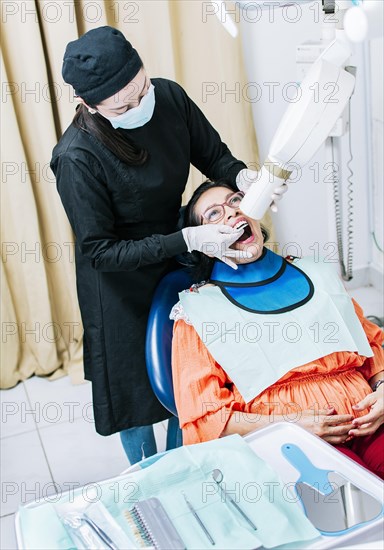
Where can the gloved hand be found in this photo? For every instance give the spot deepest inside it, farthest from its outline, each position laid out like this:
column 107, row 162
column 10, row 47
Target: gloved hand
column 214, row 241
column 245, row 178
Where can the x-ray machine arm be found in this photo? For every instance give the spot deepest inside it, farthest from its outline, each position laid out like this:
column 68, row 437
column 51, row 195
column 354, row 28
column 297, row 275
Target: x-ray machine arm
column 308, row 122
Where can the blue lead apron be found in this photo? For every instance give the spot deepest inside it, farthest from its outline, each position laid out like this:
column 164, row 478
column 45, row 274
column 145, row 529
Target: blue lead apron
column 270, row 316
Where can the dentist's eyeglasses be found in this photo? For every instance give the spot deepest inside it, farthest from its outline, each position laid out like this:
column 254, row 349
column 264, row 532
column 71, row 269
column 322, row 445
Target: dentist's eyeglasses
column 216, row 212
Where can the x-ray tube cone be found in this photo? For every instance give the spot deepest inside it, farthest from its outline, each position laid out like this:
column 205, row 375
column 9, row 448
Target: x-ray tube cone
column 257, row 200
column 365, row 22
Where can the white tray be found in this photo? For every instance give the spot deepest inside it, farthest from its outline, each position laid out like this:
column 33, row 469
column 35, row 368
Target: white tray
column 267, row 443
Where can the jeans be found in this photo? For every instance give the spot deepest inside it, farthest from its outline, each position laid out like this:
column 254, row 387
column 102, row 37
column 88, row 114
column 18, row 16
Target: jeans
column 139, row 442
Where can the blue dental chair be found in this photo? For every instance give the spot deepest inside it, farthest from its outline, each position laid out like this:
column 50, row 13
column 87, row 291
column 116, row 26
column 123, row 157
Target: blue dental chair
column 158, row 345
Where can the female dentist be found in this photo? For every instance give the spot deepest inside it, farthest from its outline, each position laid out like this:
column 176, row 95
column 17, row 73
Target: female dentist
column 121, row 168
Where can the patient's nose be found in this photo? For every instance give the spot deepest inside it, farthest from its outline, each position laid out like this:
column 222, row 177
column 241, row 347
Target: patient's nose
column 231, row 213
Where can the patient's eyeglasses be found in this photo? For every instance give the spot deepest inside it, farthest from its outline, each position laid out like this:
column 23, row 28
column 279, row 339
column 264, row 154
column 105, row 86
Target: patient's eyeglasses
column 216, row 212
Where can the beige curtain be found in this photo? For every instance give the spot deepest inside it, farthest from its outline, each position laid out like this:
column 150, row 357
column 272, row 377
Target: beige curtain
column 177, row 39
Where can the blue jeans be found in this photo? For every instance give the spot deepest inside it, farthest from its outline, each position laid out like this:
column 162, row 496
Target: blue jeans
column 139, row 442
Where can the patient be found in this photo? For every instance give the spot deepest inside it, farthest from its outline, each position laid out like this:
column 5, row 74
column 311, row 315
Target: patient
column 275, row 340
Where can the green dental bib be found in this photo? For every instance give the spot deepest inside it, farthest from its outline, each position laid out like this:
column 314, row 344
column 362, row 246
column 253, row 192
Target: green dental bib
column 257, row 346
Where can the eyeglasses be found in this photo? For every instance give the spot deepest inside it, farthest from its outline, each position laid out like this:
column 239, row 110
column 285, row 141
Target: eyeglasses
column 216, row 212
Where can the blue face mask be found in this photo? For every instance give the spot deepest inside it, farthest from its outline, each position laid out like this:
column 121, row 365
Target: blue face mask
column 137, row 116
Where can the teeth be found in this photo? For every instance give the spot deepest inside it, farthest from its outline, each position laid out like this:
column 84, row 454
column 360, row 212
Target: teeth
column 241, row 225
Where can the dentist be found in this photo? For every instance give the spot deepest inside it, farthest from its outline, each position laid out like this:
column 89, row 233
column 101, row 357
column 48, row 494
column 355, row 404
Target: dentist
column 121, row 168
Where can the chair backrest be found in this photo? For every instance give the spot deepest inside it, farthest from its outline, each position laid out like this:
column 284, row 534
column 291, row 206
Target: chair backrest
column 158, row 345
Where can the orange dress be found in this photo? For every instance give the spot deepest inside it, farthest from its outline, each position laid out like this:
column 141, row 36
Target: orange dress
column 205, row 395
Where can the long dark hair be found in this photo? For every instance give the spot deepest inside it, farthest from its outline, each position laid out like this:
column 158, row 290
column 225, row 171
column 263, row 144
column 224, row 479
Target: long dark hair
column 115, row 140
column 201, row 265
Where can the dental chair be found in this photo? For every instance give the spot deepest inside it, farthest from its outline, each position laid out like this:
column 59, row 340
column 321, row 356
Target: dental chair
column 158, row 345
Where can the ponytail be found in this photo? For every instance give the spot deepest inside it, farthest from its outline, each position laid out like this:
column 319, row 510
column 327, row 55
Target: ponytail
column 114, row 140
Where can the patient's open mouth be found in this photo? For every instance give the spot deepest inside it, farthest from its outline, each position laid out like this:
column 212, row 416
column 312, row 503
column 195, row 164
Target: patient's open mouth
column 247, row 235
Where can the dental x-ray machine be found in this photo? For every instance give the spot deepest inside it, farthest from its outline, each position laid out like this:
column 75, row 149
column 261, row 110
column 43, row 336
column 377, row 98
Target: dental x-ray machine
column 309, row 121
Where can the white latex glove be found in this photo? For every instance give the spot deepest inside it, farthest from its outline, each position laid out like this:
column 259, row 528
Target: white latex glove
column 245, row 178
column 214, row 241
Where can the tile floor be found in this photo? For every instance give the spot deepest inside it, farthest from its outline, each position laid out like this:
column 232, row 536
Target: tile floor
column 49, row 444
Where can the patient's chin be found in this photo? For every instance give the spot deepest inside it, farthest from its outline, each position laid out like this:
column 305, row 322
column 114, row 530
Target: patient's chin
column 255, row 250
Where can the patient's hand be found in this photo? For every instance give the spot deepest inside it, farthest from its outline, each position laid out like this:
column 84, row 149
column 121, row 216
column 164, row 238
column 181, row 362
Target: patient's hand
column 333, row 428
column 370, row 422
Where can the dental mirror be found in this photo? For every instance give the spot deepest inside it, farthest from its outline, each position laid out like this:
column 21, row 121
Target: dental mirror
column 331, row 501
column 218, row 477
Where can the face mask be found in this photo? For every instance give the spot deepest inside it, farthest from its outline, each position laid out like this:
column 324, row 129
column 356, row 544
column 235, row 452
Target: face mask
column 137, row 116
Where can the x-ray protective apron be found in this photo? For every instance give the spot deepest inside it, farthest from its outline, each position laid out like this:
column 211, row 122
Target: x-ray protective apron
column 270, row 316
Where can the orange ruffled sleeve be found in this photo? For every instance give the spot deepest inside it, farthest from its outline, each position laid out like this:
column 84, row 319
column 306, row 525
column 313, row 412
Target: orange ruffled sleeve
column 203, row 393
column 375, row 364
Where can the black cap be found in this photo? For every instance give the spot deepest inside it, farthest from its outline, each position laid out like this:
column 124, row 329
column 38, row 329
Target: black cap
column 99, row 64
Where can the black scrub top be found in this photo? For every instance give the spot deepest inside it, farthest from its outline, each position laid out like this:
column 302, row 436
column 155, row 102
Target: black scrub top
column 124, row 219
